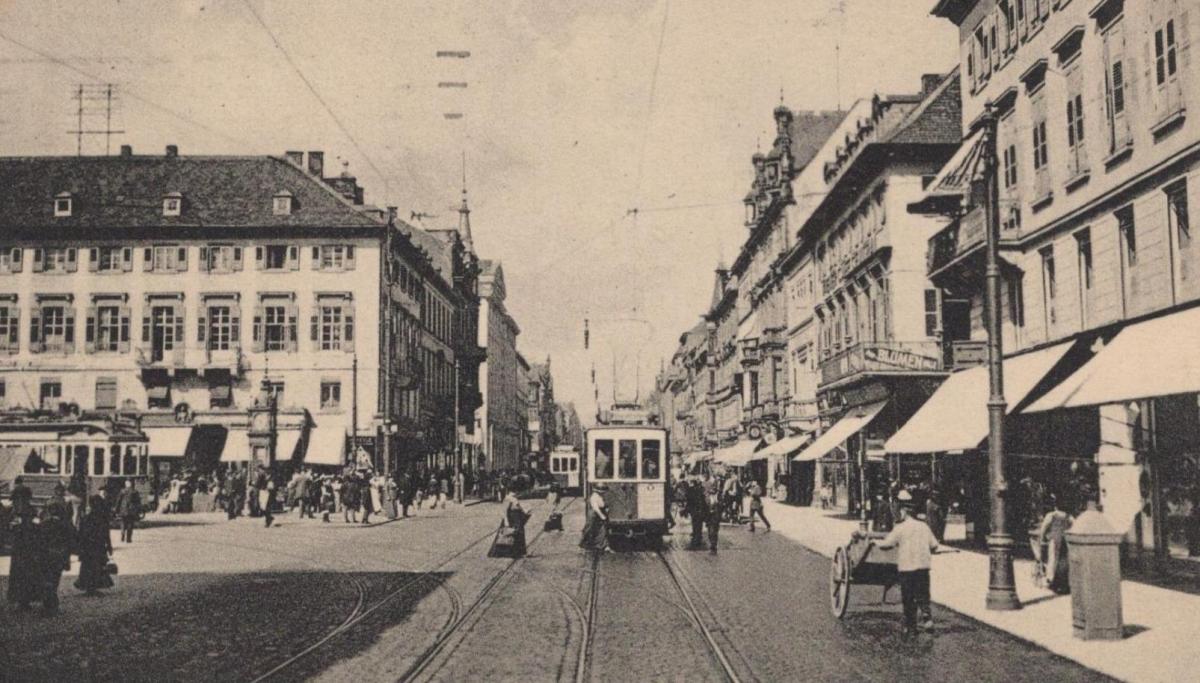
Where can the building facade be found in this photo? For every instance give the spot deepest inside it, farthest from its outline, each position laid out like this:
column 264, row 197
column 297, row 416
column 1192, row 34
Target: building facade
column 500, row 421
column 255, row 278
column 1099, row 171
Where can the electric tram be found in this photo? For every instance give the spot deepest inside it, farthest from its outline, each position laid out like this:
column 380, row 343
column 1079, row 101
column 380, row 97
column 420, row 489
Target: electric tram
column 630, row 460
column 565, row 466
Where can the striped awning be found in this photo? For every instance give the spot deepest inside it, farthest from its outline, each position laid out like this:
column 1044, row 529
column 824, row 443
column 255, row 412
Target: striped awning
column 953, row 182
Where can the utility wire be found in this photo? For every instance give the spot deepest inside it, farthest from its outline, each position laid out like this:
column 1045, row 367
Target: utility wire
column 316, row 94
column 133, row 95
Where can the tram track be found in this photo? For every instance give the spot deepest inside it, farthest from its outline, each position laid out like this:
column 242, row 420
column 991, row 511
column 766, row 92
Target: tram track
column 442, row 643
column 716, row 652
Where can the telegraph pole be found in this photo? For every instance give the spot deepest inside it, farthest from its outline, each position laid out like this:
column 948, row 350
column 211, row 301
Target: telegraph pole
column 1002, row 590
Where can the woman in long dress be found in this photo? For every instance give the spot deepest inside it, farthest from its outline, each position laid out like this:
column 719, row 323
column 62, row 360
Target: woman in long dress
column 515, row 518
column 95, row 546
column 1053, row 537
column 595, row 531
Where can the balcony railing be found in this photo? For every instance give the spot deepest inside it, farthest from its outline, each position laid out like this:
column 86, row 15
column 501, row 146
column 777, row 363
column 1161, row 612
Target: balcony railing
column 967, row 233
column 883, row 357
column 191, row 357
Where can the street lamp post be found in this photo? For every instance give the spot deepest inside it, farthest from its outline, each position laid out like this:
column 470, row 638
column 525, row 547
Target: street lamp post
column 1002, row 590
column 458, row 473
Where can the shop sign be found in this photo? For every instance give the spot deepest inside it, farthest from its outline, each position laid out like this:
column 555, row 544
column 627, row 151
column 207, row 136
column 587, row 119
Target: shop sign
column 899, row 358
column 875, row 449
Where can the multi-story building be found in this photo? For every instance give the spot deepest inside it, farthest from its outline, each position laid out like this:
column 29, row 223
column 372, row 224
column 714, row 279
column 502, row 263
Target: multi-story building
column 184, row 289
column 524, row 382
column 762, row 298
column 879, row 324
column 501, row 418
column 1098, row 163
column 542, row 412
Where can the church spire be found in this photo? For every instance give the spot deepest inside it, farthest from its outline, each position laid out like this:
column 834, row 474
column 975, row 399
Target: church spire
column 464, row 212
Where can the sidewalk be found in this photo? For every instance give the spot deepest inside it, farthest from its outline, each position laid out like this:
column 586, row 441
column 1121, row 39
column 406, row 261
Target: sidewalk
column 1160, row 624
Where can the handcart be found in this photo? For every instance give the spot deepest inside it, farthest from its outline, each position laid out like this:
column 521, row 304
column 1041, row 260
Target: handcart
column 861, row 562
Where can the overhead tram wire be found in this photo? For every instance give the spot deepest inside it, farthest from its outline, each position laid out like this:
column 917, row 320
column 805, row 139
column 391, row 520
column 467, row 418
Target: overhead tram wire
column 316, row 94
column 128, row 93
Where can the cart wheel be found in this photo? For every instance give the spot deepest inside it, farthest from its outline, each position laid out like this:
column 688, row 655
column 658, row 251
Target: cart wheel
column 839, row 583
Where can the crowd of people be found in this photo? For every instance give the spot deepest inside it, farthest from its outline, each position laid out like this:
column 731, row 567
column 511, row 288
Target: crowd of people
column 44, row 540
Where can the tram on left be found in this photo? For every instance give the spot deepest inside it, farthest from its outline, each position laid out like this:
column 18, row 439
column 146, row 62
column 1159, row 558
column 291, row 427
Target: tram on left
column 92, row 452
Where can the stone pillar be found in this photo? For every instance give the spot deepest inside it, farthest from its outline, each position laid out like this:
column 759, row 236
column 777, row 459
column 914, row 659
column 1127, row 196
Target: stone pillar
column 1120, row 495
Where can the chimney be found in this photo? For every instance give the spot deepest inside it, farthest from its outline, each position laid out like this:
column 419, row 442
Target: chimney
column 296, row 158
column 316, row 163
column 172, row 151
column 930, row 82
column 126, row 150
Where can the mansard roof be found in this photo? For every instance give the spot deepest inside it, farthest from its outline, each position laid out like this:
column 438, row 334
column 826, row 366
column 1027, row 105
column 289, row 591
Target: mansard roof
column 112, row 192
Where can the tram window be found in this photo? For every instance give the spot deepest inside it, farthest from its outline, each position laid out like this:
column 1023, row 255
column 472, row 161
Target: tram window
column 145, row 462
column 97, row 461
column 129, row 464
column 574, row 464
column 651, row 459
column 64, row 459
column 628, row 453
column 114, row 460
column 604, row 459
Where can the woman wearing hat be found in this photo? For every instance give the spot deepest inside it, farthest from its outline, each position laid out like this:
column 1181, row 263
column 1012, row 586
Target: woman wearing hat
column 95, row 546
column 595, row 531
column 24, row 575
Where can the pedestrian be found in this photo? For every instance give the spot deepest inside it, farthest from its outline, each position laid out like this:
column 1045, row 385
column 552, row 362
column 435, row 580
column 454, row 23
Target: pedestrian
column 515, row 518
column 24, row 573
column 129, row 510
column 933, row 514
column 404, row 491
column 58, row 537
column 266, row 497
column 393, row 497
column 298, row 488
column 444, row 489
column 350, row 498
column 174, row 494
column 756, row 505
column 595, row 530
column 712, row 495
column 94, row 549
column 432, row 489
column 328, row 499
column 697, row 511
column 553, row 495
column 914, row 544
column 1052, row 540
column 366, row 495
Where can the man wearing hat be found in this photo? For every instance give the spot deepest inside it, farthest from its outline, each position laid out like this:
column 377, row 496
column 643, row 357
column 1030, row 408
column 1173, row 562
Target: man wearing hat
column 914, row 544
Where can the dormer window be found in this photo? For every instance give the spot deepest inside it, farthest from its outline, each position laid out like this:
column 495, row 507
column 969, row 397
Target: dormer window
column 62, row 204
column 172, row 204
column 282, row 205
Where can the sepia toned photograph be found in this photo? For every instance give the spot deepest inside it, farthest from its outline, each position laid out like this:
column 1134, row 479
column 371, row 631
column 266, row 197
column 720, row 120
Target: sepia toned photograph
column 599, row 340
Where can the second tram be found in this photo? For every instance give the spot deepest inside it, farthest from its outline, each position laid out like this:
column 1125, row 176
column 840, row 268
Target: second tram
column 565, row 466
column 630, row 461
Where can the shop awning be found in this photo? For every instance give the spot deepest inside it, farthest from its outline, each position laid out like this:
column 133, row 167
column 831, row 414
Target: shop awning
column 326, row 446
column 285, row 443
column 1158, row 357
column 237, row 446
column 168, row 442
column 160, row 392
column 955, row 418
column 738, row 454
column 953, row 182
column 785, row 446
column 843, row 429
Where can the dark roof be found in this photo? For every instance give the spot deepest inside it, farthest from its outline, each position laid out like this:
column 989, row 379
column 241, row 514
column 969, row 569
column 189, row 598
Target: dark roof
column 435, row 248
column 937, row 120
column 809, row 130
column 128, row 192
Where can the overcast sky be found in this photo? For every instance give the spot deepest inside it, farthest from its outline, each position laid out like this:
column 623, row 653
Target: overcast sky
column 566, row 124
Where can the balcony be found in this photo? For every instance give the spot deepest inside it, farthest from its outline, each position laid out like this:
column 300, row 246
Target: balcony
column 192, row 358
column 968, row 233
column 801, row 409
column 883, row 358
column 751, row 353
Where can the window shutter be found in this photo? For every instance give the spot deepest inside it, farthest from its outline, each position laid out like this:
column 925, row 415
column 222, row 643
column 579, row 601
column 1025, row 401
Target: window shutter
column 39, row 260
column 315, row 328
column 69, row 332
column 179, row 326
column 16, row 264
column 123, row 344
column 349, row 257
column 201, row 320
column 237, row 259
column 148, row 259
column 14, row 329
column 293, row 314
column 235, row 324
column 203, row 265
column 316, row 257
column 348, row 332
column 293, row 255
column 93, row 259
column 146, row 324
column 89, row 338
column 181, row 265
column 127, row 259
column 72, row 262
column 258, row 324
column 35, row 329
column 258, row 258
column 1183, row 42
